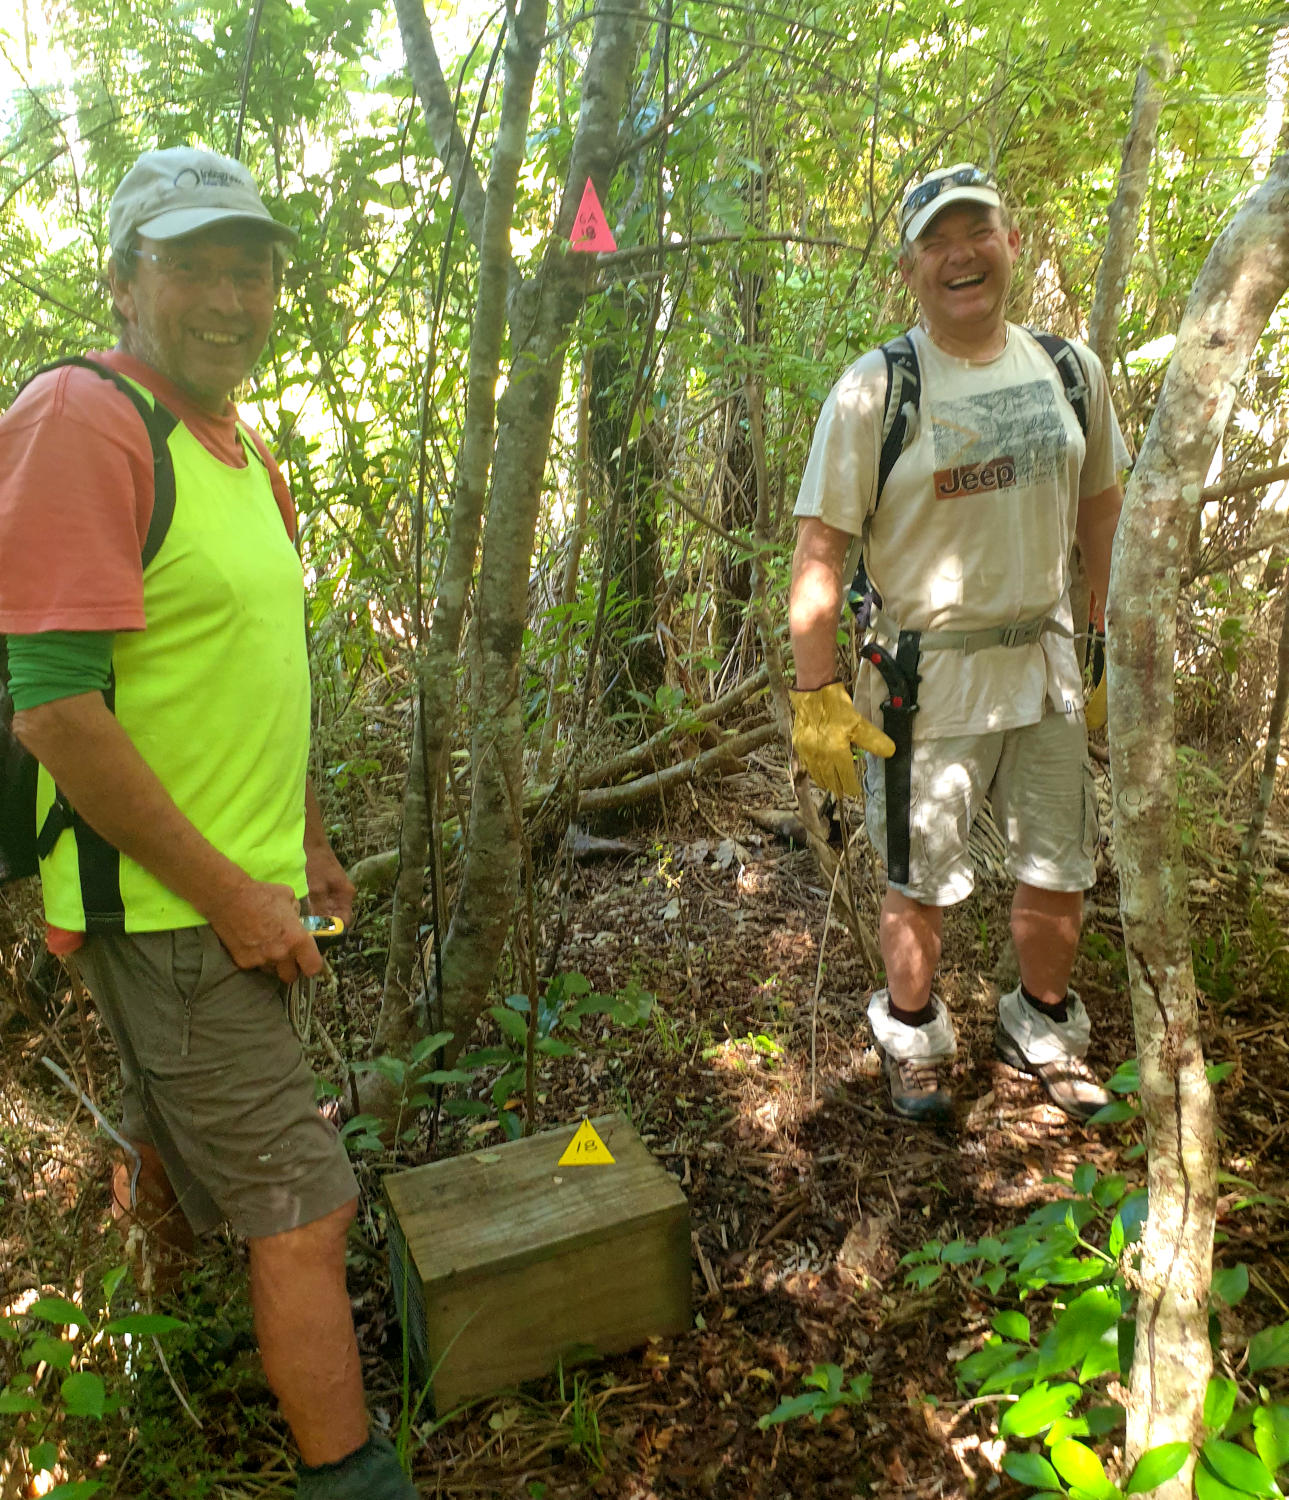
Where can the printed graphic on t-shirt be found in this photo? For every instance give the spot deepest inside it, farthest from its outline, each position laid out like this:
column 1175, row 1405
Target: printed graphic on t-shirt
column 997, row 440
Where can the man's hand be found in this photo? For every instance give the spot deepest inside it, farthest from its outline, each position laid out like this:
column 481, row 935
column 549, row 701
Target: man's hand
column 331, row 892
column 260, row 926
column 824, row 731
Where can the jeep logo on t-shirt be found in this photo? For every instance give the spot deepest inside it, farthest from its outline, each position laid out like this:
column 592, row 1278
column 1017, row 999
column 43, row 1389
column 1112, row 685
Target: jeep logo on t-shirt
column 975, row 479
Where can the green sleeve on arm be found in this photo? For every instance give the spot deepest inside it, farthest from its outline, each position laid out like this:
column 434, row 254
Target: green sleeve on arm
column 58, row 664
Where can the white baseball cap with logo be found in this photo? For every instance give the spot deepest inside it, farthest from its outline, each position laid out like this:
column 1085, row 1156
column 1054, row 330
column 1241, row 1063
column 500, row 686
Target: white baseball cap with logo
column 170, row 193
column 964, row 182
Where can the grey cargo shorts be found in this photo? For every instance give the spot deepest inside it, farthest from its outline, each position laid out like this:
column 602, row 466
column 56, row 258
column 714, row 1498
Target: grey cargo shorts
column 215, row 1079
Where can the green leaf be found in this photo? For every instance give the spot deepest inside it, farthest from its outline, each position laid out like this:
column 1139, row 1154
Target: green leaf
column 1238, row 1467
column 1269, row 1348
column 1103, row 1420
column 83, row 1394
column 1017, row 1373
column 1209, row 1487
column 428, row 1046
column 1066, row 1427
column 1012, row 1325
column 42, row 1456
column 59, row 1310
column 1271, row 1434
column 993, row 1356
column 1109, row 1190
column 113, row 1279
column 1085, row 1176
column 76, row 1489
column 1102, row 1358
column 1076, row 1463
column 13, row 1403
column 1218, row 1072
column 1038, row 1408
column 824, row 1378
column 921, row 1277
column 1219, row 1402
column 1032, row 1469
column 1114, row 1113
column 49, row 1351
column 146, row 1324
column 794, row 1406
column 1156, row 1465
column 1126, row 1078
column 512, row 1023
column 1230, row 1284
column 1078, row 1329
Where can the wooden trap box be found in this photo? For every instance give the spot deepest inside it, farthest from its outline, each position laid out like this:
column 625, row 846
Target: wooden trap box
column 505, row 1263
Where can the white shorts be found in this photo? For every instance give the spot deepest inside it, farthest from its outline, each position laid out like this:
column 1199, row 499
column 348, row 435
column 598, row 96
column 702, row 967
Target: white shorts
column 1039, row 784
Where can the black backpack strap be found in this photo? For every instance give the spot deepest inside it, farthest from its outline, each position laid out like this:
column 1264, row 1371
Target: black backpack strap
column 903, row 400
column 899, row 427
column 159, row 423
column 1073, row 381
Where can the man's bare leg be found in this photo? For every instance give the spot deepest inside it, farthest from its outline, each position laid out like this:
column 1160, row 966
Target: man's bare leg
column 305, row 1328
column 153, row 1226
column 1045, row 928
column 910, row 940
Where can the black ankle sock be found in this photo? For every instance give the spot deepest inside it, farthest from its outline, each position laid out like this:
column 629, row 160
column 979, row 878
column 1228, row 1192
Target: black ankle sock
column 922, row 1017
column 1058, row 1012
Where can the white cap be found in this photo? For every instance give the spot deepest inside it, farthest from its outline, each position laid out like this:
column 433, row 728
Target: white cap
column 174, row 192
column 964, row 182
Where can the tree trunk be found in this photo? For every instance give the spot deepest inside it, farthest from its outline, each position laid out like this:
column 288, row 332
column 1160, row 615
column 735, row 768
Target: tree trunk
column 1267, row 784
column 1125, row 212
column 546, row 310
column 572, row 569
column 437, row 671
column 1243, row 279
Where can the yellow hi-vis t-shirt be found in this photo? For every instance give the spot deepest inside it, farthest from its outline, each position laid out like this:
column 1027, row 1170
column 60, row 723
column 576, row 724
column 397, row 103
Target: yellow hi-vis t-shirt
column 213, row 692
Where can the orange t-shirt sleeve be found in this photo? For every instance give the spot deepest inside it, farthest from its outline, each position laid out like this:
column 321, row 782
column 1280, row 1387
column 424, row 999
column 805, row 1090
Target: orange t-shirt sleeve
column 75, row 502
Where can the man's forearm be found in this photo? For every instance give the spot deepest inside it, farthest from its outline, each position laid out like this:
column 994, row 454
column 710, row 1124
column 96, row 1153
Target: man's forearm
column 101, row 773
column 814, row 605
column 1098, row 519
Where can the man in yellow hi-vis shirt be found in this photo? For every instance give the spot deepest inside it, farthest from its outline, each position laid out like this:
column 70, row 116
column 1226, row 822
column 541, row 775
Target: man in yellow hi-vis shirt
column 154, row 607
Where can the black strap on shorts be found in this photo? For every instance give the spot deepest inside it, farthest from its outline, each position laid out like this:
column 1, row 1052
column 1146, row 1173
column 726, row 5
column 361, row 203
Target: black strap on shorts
column 900, row 674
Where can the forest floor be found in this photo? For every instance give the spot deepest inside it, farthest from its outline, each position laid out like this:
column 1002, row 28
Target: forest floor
column 804, row 1192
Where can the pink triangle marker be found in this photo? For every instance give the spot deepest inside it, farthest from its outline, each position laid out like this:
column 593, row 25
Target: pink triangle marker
column 590, row 228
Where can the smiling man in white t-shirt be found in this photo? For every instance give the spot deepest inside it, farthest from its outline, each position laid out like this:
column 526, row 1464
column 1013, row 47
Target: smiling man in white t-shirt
column 1010, row 454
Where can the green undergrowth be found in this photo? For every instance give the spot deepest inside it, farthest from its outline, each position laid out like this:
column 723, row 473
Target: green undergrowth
column 506, row 1071
column 1057, row 1351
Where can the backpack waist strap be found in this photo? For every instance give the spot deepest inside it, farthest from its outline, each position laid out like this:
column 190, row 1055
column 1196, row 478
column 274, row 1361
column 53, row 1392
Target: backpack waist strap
column 1023, row 633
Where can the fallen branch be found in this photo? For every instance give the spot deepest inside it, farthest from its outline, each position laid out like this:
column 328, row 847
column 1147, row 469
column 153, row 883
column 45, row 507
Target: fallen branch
column 642, row 755
column 377, row 872
column 631, row 793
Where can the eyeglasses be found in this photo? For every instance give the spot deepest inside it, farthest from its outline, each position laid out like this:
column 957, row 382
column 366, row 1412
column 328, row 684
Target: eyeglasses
column 928, row 192
column 192, row 273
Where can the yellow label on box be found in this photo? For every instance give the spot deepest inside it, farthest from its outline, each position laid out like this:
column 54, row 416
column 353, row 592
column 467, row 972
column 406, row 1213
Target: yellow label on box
column 586, row 1149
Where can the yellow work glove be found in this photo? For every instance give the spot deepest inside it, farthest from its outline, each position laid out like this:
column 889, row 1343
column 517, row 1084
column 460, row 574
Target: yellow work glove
column 1094, row 707
column 1094, row 710
column 825, row 730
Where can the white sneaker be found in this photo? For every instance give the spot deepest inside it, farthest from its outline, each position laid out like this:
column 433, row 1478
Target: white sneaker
column 912, row 1057
column 1051, row 1051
